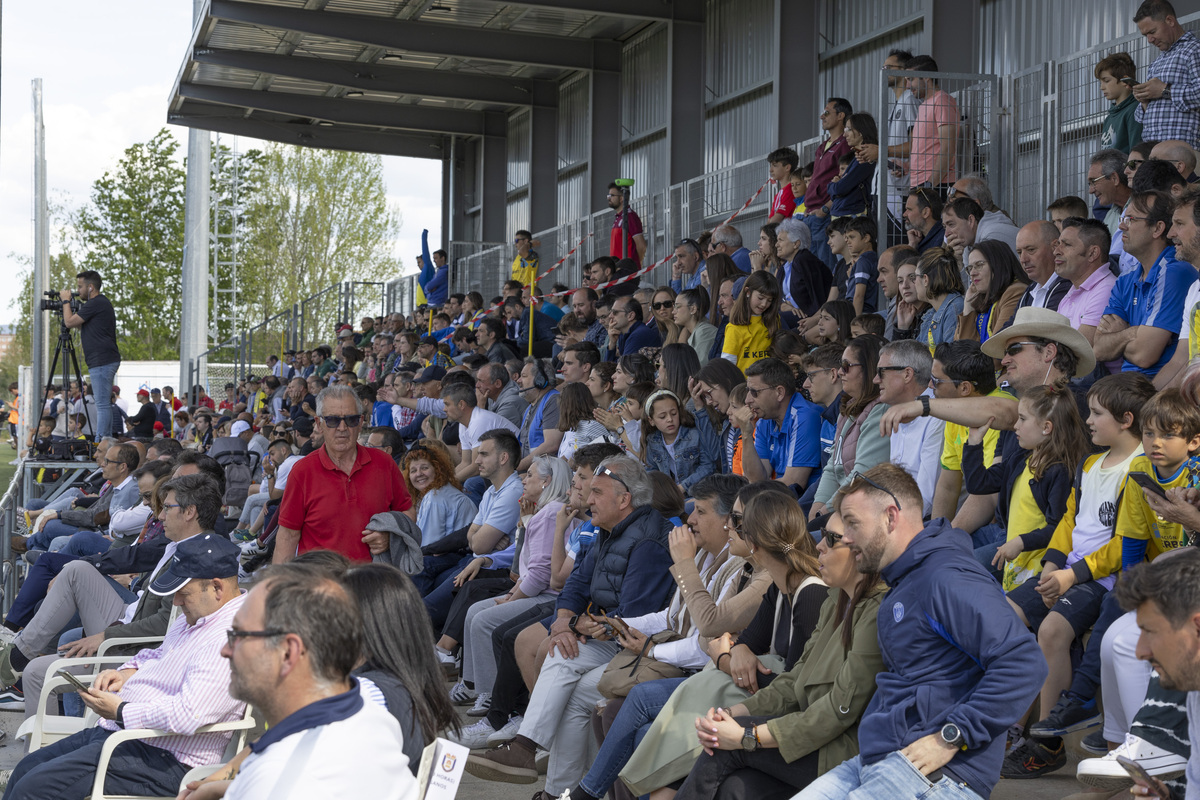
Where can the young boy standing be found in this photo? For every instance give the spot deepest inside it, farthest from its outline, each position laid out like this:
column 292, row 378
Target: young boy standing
column 862, row 282
column 1081, row 562
column 1120, row 130
column 782, row 164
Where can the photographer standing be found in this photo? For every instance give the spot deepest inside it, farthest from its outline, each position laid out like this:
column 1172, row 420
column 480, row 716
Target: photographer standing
column 97, row 323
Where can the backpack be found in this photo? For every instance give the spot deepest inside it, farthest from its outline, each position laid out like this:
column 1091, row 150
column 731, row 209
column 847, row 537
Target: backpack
column 239, row 464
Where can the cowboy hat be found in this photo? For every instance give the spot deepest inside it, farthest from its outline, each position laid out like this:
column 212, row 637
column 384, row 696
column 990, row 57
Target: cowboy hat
column 1044, row 324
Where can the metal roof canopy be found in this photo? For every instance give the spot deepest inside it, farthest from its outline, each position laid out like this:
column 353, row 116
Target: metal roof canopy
column 395, row 77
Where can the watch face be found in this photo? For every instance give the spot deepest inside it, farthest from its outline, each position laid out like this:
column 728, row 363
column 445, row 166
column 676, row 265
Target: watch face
column 951, row 733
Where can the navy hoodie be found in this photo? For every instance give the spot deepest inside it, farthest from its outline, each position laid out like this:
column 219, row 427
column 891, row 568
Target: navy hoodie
column 953, row 651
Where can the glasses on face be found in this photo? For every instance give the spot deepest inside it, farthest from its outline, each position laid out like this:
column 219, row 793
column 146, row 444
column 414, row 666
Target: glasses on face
column 1093, row 181
column 880, row 370
column 110, row 461
column 812, row 376
column 165, row 506
column 832, row 539
column 951, row 193
column 663, row 305
column 1126, row 218
column 145, row 496
column 1016, row 347
column 858, row 476
column 333, row 421
column 846, row 366
column 1133, row 164
column 735, row 522
column 231, row 636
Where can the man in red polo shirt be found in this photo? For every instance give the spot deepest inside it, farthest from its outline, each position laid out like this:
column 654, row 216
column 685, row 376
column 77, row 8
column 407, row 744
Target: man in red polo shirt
column 333, row 492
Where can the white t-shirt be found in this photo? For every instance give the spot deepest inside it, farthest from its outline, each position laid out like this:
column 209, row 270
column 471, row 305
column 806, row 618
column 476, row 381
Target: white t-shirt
column 916, row 447
column 482, row 421
column 1191, row 314
column 329, row 762
column 1096, row 515
column 283, row 470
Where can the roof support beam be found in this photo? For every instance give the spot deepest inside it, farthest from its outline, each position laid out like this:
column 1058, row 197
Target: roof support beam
column 651, row 10
column 387, row 78
column 354, row 112
column 560, row 52
column 337, row 137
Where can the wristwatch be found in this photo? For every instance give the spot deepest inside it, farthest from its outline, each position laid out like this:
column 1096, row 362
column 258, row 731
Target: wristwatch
column 924, row 406
column 952, row 736
column 1166, row 92
column 571, row 624
column 750, row 739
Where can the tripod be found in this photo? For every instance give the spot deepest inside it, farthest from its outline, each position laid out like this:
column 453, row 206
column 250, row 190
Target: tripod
column 65, row 349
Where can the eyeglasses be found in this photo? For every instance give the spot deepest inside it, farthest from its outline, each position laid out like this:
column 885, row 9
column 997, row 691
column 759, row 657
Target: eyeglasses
column 332, row 421
column 110, row 461
column 231, row 636
column 1133, row 164
column 165, row 506
column 608, row 472
column 951, row 193
column 1016, row 347
column 1126, row 218
column 939, row 381
column 880, row 370
column 735, row 520
column 1093, row 181
column 808, row 376
column 662, row 305
column 145, row 495
column 832, row 539
column 858, row 476
column 846, row 366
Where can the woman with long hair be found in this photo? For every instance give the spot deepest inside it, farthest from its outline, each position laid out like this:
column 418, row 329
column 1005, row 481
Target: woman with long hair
column 851, row 194
column 576, row 419
column 940, row 285
column 632, row 368
column 766, row 256
column 814, row 708
column 768, row 529
column 997, row 283
column 691, row 307
column 857, row 445
column 676, row 364
column 662, row 304
column 754, row 322
column 600, row 384
column 396, row 655
column 718, row 269
column 831, row 325
column 710, row 390
column 442, row 508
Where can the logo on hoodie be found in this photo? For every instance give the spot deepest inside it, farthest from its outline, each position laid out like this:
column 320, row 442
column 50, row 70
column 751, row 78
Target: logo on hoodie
column 898, row 611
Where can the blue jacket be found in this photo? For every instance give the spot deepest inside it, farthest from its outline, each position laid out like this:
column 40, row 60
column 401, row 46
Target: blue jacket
column 433, row 280
column 697, row 455
column 953, row 651
column 1050, row 491
column 851, row 193
column 639, row 336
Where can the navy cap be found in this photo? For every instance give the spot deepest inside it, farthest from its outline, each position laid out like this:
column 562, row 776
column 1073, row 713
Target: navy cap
column 434, row 373
column 205, row 556
column 303, row 426
column 430, row 339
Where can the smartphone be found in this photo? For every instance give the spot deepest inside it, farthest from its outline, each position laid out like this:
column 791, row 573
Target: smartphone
column 1137, row 771
column 1130, row 82
column 893, row 166
column 1146, row 482
column 71, row 679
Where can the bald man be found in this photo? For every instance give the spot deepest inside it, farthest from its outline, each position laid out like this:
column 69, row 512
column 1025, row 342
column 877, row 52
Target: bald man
column 1035, row 251
column 1179, row 153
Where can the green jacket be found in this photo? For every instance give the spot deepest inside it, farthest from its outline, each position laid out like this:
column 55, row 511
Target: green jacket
column 817, row 704
column 1120, row 130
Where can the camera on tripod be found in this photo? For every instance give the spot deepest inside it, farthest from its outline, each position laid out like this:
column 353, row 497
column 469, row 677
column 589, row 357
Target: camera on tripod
column 54, row 302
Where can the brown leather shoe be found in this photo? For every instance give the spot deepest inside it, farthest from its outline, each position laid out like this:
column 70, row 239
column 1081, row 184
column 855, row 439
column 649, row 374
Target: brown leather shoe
column 18, row 543
column 509, row 763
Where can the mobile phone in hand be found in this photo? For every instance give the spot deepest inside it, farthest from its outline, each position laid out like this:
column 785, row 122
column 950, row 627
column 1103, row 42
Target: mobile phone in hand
column 71, row 679
column 1130, row 82
column 1139, row 773
column 1146, row 482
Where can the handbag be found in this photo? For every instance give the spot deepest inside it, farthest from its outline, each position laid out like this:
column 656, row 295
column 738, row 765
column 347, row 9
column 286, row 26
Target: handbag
column 628, row 669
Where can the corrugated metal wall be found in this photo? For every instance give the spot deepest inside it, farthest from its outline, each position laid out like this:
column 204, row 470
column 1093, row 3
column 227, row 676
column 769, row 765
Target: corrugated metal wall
column 1017, row 34
column 518, row 153
column 645, row 106
column 574, row 139
column 739, row 118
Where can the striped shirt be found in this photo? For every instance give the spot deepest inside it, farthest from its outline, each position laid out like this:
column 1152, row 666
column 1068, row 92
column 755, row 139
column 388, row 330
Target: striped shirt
column 183, row 685
column 1177, row 116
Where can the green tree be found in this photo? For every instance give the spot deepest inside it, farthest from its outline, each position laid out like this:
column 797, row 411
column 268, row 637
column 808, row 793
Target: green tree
column 314, row 218
column 131, row 232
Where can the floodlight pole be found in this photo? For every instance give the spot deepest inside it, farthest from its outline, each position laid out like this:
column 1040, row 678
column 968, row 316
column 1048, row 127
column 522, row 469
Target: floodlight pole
column 41, row 257
column 193, row 325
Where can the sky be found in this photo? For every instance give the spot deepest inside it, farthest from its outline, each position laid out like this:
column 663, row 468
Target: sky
column 107, row 69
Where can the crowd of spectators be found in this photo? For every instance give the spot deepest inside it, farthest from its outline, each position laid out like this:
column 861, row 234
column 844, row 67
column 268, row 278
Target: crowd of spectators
column 898, row 508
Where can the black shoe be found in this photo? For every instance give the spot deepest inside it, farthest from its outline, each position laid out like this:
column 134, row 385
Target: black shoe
column 1095, row 743
column 1032, row 759
column 1069, row 714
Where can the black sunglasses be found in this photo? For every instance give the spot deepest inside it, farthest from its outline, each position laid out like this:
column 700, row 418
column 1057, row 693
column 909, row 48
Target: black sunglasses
column 858, row 476
column 735, row 520
column 831, row 539
column 662, row 305
column 332, row 421
column 232, row 636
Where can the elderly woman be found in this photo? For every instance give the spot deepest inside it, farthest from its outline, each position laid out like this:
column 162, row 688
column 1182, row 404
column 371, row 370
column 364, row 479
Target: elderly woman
column 804, row 278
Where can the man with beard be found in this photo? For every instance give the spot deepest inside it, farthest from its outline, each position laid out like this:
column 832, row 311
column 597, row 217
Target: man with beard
column 1185, row 235
column 958, row 669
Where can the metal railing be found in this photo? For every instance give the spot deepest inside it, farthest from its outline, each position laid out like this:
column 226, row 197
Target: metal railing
column 8, row 512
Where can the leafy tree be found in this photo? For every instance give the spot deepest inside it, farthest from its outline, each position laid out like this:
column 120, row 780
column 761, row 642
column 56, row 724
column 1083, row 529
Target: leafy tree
column 132, row 234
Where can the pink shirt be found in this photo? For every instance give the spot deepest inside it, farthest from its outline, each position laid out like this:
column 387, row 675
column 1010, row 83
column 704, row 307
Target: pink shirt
column 183, row 685
column 939, row 109
column 1085, row 304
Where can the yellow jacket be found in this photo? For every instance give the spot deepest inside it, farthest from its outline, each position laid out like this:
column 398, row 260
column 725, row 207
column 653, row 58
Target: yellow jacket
column 1101, row 563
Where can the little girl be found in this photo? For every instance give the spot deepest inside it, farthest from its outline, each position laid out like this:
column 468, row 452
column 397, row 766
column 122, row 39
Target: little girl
column 1033, row 479
column 673, row 444
column 754, row 321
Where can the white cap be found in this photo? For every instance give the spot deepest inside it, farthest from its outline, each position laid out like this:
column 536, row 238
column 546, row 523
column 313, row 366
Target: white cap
column 239, row 427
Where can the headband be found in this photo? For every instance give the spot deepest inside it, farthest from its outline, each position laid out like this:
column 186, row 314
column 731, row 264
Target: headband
column 658, row 395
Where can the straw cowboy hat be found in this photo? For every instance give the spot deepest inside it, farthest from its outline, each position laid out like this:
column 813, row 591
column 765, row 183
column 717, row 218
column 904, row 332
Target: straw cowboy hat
column 1044, row 324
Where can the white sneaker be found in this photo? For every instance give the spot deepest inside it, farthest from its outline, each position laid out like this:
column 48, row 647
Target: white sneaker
column 1106, row 773
column 448, row 663
column 507, row 733
column 474, row 737
column 483, row 704
column 460, row 695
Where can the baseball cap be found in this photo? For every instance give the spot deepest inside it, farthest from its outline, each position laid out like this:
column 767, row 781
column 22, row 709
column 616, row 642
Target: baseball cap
column 143, row 393
column 303, row 426
column 230, row 386
column 156, row 390
column 434, row 373
column 252, row 378
column 239, row 427
column 345, row 333
column 204, row 556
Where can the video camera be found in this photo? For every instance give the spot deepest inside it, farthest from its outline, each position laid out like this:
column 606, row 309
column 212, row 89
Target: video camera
column 54, row 302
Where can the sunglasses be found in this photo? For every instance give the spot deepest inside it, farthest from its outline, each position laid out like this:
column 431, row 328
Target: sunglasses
column 735, row 521
column 1016, row 347
column 232, row 636
column 939, row 381
column 846, row 366
column 662, row 305
column 831, row 539
column 615, row 477
column 880, row 370
column 1133, row 165
column 333, row 421
column 858, row 476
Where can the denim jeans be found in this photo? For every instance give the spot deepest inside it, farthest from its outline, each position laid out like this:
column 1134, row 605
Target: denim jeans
column 894, row 777
column 84, row 543
column 820, row 239
column 987, row 541
column 68, row 767
column 102, row 383
column 51, row 531
column 642, row 705
column 474, row 489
